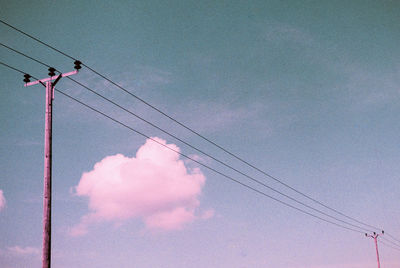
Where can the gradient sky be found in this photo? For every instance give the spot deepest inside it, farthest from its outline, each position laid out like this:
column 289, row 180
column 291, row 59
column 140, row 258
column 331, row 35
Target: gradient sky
column 305, row 90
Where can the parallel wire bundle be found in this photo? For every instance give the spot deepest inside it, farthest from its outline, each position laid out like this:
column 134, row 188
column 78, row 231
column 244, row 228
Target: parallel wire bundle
column 357, row 225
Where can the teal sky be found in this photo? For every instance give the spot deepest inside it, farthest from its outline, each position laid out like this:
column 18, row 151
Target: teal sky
column 305, row 90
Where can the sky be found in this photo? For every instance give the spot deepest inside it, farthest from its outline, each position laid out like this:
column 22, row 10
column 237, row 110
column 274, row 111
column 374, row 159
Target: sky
column 307, row 91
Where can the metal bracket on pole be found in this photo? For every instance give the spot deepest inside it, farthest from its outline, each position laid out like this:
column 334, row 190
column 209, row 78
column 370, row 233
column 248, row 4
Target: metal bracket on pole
column 375, row 237
column 50, row 78
column 56, row 81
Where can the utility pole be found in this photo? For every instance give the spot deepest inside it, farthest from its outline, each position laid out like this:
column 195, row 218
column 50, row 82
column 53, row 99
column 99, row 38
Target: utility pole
column 375, row 237
column 47, row 82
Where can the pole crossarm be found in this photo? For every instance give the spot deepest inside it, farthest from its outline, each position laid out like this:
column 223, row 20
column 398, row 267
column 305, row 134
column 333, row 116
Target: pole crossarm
column 375, row 237
column 55, row 77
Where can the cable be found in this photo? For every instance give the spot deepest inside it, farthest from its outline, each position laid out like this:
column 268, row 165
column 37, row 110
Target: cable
column 195, row 148
column 36, row 39
column 195, row 132
column 192, row 159
column 25, row 55
column 204, row 165
column 228, row 152
column 191, row 146
column 12, row 68
column 191, row 130
column 389, row 246
column 391, row 242
column 392, row 236
column 216, row 159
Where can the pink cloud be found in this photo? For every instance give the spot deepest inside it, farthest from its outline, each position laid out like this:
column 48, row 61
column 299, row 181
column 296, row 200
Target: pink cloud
column 2, row 200
column 155, row 186
column 21, row 251
column 208, row 214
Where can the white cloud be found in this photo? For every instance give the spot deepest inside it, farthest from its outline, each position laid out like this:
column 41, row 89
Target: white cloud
column 211, row 117
column 368, row 89
column 283, row 32
column 23, row 251
column 155, row 186
column 2, row 200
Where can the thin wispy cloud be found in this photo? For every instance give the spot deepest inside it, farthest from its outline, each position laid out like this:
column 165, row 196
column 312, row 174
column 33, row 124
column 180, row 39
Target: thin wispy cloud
column 28, row 143
column 279, row 32
column 155, row 187
column 2, row 200
column 22, row 251
column 343, row 265
column 368, row 89
column 214, row 117
column 360, row 87
column 140, row 80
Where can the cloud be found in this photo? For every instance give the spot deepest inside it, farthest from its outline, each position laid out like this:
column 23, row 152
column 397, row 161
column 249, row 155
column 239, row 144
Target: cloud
column 2, row 200
column 368, row 89
column 279, row 33
column 155, row 187
column 28, row 143
column 21, row 251
column 211, row 117
column 208, row 214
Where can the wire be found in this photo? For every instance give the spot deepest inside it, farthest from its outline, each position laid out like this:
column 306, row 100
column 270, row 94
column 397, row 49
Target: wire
column 216, row 159
column 191, row 130
column 392, row 236
column 36, row 39
column 198, row 134
column 204, row 165
column 192, row 159
column 389, row 246
column 193, row 147
column 25, row 55
column 391, row 242
column 228, row 152
column 195, row 132
column 12, row 68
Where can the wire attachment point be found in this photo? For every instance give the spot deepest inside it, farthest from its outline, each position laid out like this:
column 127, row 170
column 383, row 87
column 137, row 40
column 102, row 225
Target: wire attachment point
column 26, row 79
column 77, row 65
column 52, row 71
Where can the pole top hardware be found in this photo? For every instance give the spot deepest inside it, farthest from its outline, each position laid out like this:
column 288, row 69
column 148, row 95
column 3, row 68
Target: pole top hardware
column 52, row 71
column 26, row 78
column 77, row 65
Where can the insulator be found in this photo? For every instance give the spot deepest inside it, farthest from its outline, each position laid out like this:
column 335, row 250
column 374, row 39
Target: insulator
column 27, row 76
column 52, row 71
column 77, row 65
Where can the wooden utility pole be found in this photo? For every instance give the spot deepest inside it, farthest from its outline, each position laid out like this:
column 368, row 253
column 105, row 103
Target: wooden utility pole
column 375, row 237
column 47, row 82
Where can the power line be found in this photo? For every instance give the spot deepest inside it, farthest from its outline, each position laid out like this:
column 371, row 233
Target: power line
column 398, row 249
column 391, row 242
column 375, row 236
column 23, row 54
column 193, row 147
column 193, row 131
column 206, row 166
column 216, row 159
column 392, row 237
column 12, row 68
column 36, row 39
column 192, row 159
